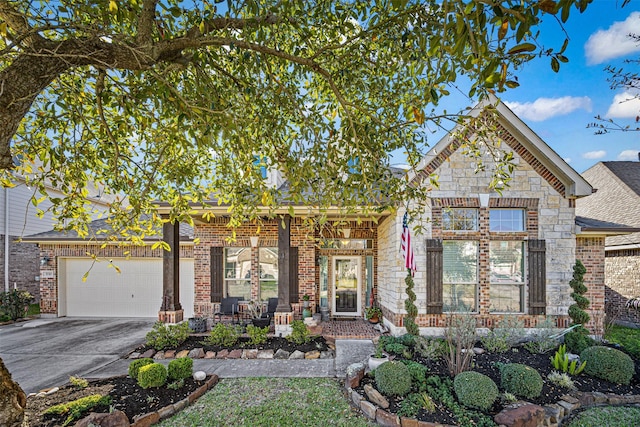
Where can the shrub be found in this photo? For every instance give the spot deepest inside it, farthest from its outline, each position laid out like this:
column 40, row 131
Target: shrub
column 508, row 333
column 15, row 303
column 561, row 379
column 223, row 335
column 460, row 335
column 257, row 335
column 475, row 390
column 396, row 348
column 418, row 374
column 77, row 407
column 578, row 340
column 180, row 368
column 428, row 348
column 608, row 363
column 410, row 406
column 176, row 385
column 543, row 338
column 163, row 336
column 393, row 379
column 521, row 380
column 78, row 382
column 299, row 333
column 560, row 361
column 134, row 367
column 153, row 375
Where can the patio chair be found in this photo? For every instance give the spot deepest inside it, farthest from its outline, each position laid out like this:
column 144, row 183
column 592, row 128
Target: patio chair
column 228, row 307
column 272, row 304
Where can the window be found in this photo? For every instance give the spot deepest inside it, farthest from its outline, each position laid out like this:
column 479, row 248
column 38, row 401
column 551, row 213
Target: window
column 460, row 219
column 460, row 275
column 506, row 276
column 506, row 220
column 268, row 259
column 237, row 273
column 346, row 244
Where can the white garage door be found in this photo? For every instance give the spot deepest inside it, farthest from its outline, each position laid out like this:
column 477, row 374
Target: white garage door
column 134, row 292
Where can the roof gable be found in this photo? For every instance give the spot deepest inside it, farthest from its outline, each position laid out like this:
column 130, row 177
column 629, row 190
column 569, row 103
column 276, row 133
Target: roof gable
column 523, row 141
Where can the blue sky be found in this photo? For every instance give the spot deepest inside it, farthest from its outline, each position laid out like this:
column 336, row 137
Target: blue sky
column 558, row 106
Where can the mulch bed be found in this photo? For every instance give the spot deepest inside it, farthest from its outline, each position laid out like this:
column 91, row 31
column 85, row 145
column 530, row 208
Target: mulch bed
column 486, row 364
column 273, row 343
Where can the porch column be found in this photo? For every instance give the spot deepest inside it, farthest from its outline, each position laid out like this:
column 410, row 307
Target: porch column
column 284, row 314
column 171, row 310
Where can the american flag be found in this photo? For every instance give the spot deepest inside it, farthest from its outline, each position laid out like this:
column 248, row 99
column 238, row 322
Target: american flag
column 405, row 246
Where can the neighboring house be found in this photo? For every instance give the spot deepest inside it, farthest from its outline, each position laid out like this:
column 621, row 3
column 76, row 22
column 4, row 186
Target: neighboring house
column 617, row 199
column 482, row 252
column 20, row 262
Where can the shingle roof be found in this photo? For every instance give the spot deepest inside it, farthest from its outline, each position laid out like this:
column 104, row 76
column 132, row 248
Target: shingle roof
column 186, row 233
column 590, row 224
column 617, row 198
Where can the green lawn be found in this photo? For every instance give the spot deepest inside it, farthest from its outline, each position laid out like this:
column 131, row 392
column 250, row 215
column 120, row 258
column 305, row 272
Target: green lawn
column 629, row 338
column 607, row 416
column 271, row 402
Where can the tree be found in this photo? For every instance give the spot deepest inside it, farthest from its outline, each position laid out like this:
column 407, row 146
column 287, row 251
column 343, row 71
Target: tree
column 186, row 101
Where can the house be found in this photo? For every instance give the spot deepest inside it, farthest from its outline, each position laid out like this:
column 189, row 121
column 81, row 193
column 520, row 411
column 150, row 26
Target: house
column 488, row 253
column 617, row 199
column 20, row 262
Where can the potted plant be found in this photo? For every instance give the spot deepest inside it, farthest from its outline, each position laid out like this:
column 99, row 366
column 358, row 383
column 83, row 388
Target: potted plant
column 256, row 310
column 373, row 314
column 377, row 358
column 306, row 311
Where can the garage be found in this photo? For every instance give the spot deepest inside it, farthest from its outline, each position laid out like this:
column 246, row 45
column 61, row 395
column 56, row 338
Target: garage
column 134, row 291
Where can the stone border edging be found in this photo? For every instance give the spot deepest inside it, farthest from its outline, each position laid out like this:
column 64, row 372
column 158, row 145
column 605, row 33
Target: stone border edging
column 152, row 418
column 551, row 415
column 199, row 353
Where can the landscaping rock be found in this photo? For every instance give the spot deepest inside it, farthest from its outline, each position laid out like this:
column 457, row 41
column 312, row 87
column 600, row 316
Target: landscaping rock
column 526, row 415
column 387, row 419
column 169, row 354
column 355, row 374
column 375, row 396
column 210, row 354
column 265, row 354
column 183, row 353
column 196, row 353
column 478, row 350
column 199, row 375
column 134, row 355
column 235, row 354
column 368, row 409
column 146, row 420
column 113, row 419
column 326, row 354
column 149, row 353
column 554, row 413
column 159, row 355
column 222, row 354
column 251, row 353
column 312, row 355
column 281, row 354
column 296, row 355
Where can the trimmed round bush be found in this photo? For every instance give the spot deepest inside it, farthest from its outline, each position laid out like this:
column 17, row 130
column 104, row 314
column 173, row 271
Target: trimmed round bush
column 521, row 380
column 393, row 379
column 475, row 390
column 608, row 363
column 134, row 367
column 180, row 368
column 153, row 375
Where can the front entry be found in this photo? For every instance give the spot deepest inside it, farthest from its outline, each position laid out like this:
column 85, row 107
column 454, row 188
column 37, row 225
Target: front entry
column 346, row 286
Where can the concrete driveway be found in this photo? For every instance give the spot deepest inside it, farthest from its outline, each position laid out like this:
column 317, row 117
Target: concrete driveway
column 43, row 353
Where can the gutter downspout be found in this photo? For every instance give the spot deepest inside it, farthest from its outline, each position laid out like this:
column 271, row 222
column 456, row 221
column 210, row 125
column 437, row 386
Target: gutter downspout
column 6, row 239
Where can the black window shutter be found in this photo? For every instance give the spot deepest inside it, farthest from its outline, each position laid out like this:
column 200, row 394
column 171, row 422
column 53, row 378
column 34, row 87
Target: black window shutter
column 293, row 275
column 434, row 276
column 537, row 276
column 217, row 276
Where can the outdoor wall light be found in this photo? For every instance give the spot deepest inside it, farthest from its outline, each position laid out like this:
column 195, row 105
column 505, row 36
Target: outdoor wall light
column 254, row 241
column 346, row 232
column 44, row 261
column 484, row 199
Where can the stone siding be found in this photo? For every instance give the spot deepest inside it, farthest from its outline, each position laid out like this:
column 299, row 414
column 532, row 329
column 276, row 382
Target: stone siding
column 622, row 279
column 549, row 216
column 24, row 266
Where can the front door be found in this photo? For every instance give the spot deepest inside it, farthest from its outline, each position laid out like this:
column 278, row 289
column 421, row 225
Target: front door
column 346, row 286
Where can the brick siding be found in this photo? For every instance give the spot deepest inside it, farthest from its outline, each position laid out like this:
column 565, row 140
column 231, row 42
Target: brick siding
column 590, row 250
column 622, row 281
column 24, row 266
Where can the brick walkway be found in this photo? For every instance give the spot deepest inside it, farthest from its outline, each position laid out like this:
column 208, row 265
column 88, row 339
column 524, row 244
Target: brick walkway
column 349, row 329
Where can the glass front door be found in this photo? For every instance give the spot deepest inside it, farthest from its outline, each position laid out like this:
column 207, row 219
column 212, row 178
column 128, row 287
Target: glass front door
column 346, row 286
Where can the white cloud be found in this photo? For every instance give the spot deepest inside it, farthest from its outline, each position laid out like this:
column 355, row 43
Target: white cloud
column 567, row 159
column 594, row 154
column 624, row 105
column 613, row 42
column 628, row 155
column 545, row 108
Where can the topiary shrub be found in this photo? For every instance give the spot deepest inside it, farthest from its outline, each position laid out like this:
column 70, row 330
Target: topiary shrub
column 393, row 379
column 521, row 380
column 180, row 368
column 475, row 390
column 576, row 341
column 134, row 367
column 608, row 364
column 153, row 375
column 164, row 336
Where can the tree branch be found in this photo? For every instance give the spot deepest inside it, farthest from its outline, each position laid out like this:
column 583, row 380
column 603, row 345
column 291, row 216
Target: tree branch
column 17, row 22
column 146, row 23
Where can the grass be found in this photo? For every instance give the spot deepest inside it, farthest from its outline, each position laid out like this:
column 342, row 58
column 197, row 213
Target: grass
column 629, row 338
column 271, row 402
column 607, row 416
